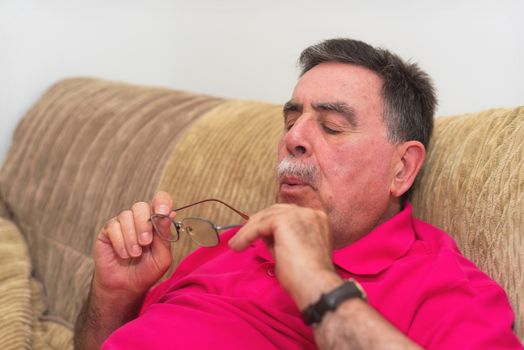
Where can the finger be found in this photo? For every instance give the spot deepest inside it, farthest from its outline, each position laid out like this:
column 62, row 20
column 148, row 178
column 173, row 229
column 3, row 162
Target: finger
column 162, row 225
column 161, row 249
column 257, row 226
column 162, row 203
column 114, row 233
column 141, row 215
column 160, row 246
column 103, row 234
column 127, row 227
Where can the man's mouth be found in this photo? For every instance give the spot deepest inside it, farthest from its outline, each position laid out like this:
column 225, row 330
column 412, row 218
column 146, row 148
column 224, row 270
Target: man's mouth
column 290, row 183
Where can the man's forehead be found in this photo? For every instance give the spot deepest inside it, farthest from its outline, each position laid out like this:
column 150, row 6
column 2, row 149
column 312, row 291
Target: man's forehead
column 340, row 69
column 352, row 86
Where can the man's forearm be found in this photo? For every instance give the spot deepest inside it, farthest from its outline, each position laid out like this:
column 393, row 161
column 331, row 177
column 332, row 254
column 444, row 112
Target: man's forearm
column 100, row 316
column 356, row 325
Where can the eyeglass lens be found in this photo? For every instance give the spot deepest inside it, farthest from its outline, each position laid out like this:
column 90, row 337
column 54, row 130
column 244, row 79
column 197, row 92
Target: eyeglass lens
column 201, row 231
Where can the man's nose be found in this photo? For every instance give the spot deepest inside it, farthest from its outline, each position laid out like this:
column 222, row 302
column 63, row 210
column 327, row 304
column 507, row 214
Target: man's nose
column 298, row 139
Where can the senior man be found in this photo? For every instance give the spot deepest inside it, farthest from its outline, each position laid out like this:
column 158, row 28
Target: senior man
column 353, row 268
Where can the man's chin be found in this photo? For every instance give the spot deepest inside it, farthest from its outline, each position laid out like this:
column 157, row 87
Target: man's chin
column 301, row 199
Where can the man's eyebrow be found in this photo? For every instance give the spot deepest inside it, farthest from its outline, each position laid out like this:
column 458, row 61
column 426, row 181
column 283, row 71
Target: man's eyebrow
column 338, row 107
column 291, row 106
column 341, row 108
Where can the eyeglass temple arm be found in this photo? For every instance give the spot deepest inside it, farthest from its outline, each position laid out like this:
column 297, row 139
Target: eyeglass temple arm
column 242, row 214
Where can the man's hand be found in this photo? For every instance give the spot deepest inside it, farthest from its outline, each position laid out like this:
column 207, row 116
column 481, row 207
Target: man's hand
column 301, row 243
column 129, row 259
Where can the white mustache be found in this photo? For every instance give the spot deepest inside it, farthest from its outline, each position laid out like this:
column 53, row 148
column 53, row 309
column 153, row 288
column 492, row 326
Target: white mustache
column 304, row 171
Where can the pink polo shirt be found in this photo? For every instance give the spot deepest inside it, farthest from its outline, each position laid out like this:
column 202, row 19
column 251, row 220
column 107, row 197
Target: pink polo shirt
column 412, row 273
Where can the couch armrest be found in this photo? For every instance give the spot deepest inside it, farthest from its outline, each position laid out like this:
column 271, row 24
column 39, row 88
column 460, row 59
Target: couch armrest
column 15, row 289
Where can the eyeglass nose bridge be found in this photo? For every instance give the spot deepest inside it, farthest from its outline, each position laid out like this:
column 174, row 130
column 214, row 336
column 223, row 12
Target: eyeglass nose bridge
column 187, row 229
column 181, row 227
column 178, row 225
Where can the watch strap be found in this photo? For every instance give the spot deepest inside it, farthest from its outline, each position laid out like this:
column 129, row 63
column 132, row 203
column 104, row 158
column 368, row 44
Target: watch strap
column 314, row 313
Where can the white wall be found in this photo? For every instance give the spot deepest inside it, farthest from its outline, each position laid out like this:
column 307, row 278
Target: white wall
column 474, row 49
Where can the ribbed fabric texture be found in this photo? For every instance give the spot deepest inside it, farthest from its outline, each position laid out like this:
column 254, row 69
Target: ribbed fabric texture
column 87, row 150
column 472, row 186
column 21, row 303
column 15, row 289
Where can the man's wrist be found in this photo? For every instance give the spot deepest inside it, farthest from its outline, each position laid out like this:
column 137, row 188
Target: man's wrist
column 330, row 301
column 322, row 283
column 112, row 304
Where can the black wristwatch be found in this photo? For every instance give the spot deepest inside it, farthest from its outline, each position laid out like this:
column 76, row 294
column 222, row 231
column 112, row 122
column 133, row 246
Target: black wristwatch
column 314, row 313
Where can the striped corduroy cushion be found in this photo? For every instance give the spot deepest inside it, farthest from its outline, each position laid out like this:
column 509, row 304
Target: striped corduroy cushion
column 472, row 186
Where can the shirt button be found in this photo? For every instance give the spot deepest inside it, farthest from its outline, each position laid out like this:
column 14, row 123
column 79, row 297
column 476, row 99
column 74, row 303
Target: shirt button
column 271, row 271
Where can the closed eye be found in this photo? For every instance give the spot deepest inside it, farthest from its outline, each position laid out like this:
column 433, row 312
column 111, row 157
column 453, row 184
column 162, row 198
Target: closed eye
column 333, row 124
column 329, row 130
column 290, row 119
column 291, row 111
column 337, row 108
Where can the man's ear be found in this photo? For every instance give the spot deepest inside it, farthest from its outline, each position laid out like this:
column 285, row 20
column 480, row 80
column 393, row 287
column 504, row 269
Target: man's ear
column 410, row 157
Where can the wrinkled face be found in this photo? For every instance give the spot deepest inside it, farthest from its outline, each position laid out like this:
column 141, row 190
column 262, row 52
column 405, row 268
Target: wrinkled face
column 334, row 128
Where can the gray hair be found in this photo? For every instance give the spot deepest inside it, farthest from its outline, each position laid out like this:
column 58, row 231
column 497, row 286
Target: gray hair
column 407, row 91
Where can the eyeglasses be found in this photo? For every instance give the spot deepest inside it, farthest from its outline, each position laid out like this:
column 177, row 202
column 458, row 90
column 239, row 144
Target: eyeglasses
column 201, row 231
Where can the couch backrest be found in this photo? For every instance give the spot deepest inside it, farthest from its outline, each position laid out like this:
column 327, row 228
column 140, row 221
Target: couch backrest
column 473, row 188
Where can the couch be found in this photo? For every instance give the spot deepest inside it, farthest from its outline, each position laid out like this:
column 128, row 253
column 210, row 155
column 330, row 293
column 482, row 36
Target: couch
column 89, row 148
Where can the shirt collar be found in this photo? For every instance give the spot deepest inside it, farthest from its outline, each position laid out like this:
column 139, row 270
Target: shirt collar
column 377, row 250
column 372, row 253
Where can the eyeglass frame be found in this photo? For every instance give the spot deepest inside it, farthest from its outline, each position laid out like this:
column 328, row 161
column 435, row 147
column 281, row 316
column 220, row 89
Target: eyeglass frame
column 179, row 225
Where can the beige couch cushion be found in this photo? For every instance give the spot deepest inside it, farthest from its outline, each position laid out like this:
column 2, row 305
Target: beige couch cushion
column 473, row 187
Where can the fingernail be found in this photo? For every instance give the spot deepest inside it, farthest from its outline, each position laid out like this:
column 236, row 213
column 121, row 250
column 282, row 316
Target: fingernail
column 124, row 254
column 136, row 249
column 144, row 237
column 162, row 209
